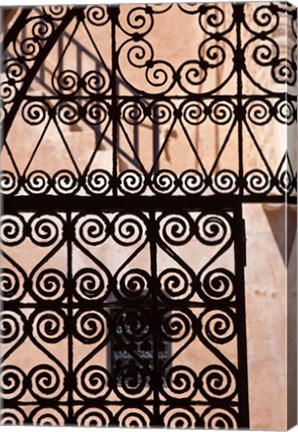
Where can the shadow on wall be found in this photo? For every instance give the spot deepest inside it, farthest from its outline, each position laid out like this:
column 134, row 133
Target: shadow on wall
column 281, row 219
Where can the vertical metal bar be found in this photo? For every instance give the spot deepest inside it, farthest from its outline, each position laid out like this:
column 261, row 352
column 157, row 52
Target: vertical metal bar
column 114, row 12
column 155, row 320
column 79, row 62
column 71, row 379
column 136, row 135
column 98, row 129
column 239, row 63
column 240, row 262
column 240, row 243
column 155, row 144
column 217, row 132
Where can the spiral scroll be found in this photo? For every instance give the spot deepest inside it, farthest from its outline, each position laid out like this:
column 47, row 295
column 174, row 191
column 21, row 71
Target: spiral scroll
column 117, row 334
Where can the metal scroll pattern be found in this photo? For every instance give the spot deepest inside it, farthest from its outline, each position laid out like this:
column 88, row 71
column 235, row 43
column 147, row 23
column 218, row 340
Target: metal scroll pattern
column 67, row 308
column 133, row 88
column 131, row 269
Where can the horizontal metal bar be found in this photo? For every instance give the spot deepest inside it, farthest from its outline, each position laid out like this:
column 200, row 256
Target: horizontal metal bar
column 69, row 203
column 148, row 97
column 133, row 403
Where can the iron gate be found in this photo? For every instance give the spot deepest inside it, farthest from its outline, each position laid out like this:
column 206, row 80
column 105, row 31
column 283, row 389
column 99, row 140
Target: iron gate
column 117, row 277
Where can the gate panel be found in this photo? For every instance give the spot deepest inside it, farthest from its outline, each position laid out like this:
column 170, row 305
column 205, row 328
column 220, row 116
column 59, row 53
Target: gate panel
column 125, row 319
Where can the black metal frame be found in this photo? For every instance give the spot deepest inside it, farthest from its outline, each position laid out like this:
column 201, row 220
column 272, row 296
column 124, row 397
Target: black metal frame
column 138, row 208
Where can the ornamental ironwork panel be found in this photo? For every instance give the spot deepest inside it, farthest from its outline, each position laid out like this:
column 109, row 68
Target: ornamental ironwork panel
column 76, row 304
column 124, row 170
column 130, row 93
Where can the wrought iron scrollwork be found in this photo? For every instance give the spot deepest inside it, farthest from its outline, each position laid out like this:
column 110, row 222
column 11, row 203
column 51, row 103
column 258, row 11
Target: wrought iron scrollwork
column 150, row 99
column 92, row 309
column 114, row 274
